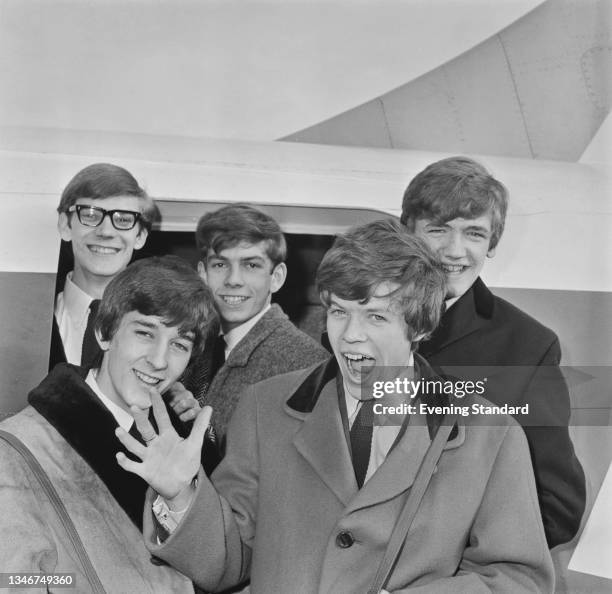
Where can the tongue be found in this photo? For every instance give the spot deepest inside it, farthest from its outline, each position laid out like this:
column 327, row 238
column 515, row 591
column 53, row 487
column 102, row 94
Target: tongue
column 361, row 366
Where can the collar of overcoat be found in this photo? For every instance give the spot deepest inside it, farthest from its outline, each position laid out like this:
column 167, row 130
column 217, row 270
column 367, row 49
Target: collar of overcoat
column 321, row 440
column 69, row 405
column 472, row 311
column 239, row 357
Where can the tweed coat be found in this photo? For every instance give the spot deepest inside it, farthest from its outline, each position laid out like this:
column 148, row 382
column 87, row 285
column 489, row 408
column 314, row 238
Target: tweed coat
column 283, row 506
column 72, row 436
column 272, row 347
column 487, row 333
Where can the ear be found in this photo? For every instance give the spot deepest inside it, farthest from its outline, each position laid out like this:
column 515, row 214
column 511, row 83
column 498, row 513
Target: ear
column 104, row 344
column 202, row 271
column 491, row 252
column 63, row 226
column 141, row 238
column 279, row 275
column 409, row 224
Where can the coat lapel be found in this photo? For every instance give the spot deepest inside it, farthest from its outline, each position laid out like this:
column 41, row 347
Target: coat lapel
column 239, row 357
column 241, row 353
column 398, row 471
column 322, row 443
column 471, row 312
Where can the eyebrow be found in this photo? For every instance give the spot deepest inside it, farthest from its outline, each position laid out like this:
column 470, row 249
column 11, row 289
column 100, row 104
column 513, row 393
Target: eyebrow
column 188, row 335
column 253, row 258
column 145, row 323
column 478, row 228
column 469, row 228
column 381, row 309
column 244, row 259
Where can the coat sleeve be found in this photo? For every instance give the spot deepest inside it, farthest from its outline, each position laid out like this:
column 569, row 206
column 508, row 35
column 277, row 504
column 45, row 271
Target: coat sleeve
column 212, row 544
column 506, row 550
column 559, row 476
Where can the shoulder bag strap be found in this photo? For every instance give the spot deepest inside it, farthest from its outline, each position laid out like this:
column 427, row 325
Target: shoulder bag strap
column 54, row 498
column 406, row 517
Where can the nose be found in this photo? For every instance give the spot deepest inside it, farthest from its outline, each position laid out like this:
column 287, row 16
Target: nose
column 353, row 330
column 234, row 276
column 454, row 246
column 157, row 355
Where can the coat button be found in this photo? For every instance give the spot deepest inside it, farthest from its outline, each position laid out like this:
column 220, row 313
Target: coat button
column 344, row 539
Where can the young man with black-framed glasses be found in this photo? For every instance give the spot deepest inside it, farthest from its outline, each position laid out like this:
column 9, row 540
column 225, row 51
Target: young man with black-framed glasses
column 105, row 215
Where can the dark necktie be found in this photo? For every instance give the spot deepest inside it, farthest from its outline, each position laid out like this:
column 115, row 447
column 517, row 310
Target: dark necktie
column 91, row 349
column 218, row 357
column 361, row 440
column 136, row 434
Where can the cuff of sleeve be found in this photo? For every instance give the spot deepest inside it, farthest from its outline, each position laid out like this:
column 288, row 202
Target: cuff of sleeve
column 167, row 519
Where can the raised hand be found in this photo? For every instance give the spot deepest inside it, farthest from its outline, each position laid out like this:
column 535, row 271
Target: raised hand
column 168, row 462
column 183, row 402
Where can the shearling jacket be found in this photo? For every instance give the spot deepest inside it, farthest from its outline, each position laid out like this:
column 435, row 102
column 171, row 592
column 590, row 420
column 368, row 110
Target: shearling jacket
column 72, row 436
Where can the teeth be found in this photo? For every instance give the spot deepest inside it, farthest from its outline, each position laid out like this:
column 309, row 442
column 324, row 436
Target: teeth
column 234, row 299
column 147, row 379
column 357, row 363
column 453, row 267
column 98, row 249
column 356, row 357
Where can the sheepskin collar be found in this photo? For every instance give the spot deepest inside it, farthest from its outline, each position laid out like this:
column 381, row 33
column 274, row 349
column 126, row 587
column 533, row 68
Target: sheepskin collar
column 68, row 404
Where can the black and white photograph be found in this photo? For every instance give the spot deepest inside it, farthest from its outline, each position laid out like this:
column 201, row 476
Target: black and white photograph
column 306, row 296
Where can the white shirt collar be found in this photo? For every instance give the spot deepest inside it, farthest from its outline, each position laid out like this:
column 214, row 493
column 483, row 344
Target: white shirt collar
column 123, row 418
column 450, row 302
column 235, row 335
column 75, row 301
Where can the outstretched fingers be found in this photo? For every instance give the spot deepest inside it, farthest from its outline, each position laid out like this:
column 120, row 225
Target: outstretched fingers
column 200, row 425
column 144, row 426
column 183, row 403
column 131, row 445
column 129, row 465
column 159, row 411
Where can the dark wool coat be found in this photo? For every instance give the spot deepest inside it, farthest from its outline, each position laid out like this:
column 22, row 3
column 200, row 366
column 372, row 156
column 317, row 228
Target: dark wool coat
column 273, row 346
column 479, row 336
column 72, row 435
column 284, row 507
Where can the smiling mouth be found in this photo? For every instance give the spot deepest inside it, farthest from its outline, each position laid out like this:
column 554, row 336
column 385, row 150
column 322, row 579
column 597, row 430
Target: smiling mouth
column 233, row 299
column 147, row 379
column 103, row 250
column 454, row 268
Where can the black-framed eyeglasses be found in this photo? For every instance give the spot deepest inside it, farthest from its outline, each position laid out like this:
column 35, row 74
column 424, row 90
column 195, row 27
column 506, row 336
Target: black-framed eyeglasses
column 92, row 216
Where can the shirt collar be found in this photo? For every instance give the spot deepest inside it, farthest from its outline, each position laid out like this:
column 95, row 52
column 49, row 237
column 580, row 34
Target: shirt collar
column 123, row 418
column 76, row 301
column 449, row 302
column 235, row 335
